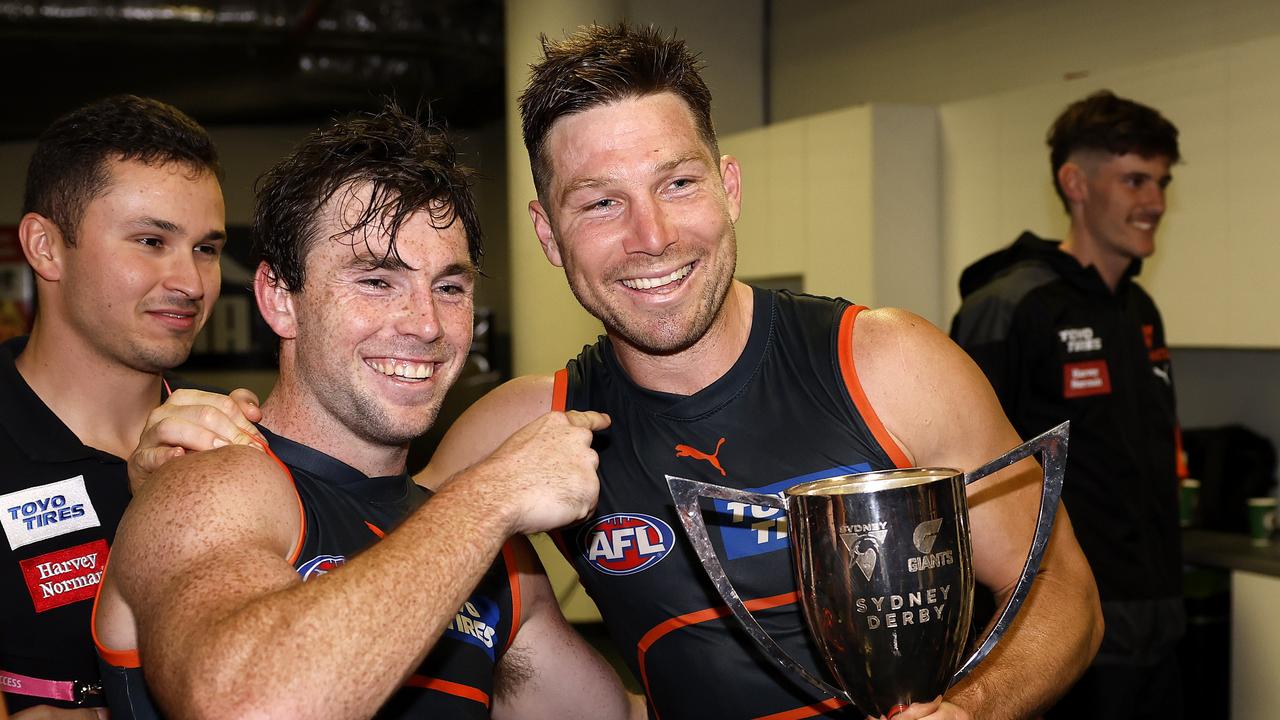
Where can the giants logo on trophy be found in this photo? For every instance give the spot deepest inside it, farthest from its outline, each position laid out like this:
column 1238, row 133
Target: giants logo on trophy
column 864, row 545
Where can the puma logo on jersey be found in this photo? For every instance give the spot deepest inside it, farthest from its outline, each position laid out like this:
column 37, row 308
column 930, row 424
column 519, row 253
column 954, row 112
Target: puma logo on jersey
column 692, row 452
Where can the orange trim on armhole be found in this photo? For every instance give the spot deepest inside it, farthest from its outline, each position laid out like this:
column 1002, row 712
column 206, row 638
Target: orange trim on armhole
column 118, row 658
column 513, row 578
column 302, row 513
column 851, row 383
column 560, row 390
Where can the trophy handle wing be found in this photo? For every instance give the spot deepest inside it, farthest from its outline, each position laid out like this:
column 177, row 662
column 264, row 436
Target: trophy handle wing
column 685, row 493
column 1052, row 445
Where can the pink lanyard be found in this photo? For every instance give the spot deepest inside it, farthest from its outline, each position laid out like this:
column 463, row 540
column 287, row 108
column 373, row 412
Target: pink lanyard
column 66, row 690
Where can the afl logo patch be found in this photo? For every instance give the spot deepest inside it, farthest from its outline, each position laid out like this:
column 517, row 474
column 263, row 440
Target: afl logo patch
column 319, row 565
column 625, row 543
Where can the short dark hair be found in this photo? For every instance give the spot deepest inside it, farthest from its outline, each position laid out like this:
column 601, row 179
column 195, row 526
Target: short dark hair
column 71, row 163
column 1113, row 124
column 600, row 65
column 409, row 167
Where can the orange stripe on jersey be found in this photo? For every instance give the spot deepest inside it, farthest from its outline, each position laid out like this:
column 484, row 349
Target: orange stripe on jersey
column 374, row 529
column 807, row 711
column 513, row 578
column 851, row 383
column 118, row 658
column 302, row 513
column 560, row 390
column 450, row 688
column 698, row 616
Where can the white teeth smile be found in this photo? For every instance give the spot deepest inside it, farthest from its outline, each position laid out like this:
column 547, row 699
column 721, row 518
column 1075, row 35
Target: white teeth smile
column 400, row 369
column 650, row 283
column 1143, row 225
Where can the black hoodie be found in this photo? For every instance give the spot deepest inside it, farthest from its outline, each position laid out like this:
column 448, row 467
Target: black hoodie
column 1057, row 344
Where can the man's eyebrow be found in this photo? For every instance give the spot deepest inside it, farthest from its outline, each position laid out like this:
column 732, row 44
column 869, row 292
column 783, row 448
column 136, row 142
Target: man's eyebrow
column 662, row 167
column 466, row 269
column 148, row 222
column 389, row 261
column 153, row 223
column 674, row 163
column 580, row 184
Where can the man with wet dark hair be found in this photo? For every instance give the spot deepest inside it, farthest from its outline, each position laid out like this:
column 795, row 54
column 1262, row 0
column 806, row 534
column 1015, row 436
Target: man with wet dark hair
column 122, row 224
column 320, row 581
column 711, row 379
column 1064, row 332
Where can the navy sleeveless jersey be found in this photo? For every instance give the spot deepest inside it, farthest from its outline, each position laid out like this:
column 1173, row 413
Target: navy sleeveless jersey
column 789, row 410
column 345, row 511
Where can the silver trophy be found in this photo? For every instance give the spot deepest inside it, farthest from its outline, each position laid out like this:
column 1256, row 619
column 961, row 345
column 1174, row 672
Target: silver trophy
column 884, row 572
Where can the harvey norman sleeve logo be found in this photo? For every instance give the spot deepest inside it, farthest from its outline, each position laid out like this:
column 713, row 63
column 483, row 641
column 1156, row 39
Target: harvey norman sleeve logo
column 46, row 511
column 65, row 576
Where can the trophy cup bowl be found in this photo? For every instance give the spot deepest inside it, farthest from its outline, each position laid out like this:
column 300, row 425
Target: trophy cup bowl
column 884, row 573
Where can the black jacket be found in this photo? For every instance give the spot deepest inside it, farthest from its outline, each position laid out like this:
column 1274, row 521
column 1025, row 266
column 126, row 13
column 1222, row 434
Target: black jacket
column 1057, row 344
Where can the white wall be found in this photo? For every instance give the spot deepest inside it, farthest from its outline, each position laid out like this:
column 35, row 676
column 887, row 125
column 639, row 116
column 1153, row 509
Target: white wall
column 833, row 53
column 1000, row 70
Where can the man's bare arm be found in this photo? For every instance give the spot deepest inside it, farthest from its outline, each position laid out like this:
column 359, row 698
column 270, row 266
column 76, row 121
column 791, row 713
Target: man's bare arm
column 550, row 672
column 941, row 409
column 484, row 425
column 225, row 626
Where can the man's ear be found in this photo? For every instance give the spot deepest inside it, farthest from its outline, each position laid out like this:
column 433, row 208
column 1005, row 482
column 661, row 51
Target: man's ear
column 42, row 243
column 1073, row 178
column 275, row 302
column 546, row 236
column 731, row 176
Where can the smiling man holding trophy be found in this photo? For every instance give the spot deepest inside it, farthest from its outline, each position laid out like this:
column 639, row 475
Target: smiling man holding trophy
column 710, row 379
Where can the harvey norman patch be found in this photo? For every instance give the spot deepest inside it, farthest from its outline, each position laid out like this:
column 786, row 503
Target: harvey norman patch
column 65, row 576
column 46, row 511
column 1082, row 379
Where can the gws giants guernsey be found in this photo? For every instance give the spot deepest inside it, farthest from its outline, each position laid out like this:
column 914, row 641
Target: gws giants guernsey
column 345, row 511
column 789, row 410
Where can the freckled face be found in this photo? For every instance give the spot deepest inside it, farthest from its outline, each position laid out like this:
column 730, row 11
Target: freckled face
column 641, row 219
column 379, row 342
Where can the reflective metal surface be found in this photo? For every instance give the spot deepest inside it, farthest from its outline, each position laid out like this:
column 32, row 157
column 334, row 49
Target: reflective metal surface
column 884, row 572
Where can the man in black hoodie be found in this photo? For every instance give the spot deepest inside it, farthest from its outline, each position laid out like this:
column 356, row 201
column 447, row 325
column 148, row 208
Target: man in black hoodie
column 1064, row 333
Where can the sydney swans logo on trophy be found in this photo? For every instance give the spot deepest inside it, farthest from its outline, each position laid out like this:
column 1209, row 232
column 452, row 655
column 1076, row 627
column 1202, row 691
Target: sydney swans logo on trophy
column 884, row 572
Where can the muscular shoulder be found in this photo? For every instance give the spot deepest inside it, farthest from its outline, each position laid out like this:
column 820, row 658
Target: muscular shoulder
column 919, row 381
column 231, row 495
column 486, row 424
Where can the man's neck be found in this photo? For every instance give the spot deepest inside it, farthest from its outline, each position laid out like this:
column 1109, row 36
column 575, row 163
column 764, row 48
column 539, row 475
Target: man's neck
column 102, row 401
column 707, row 360
column 293, row 412
column 1088, row 252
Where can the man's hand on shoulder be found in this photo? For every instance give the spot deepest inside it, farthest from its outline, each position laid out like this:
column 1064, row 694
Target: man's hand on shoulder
column 194, row 421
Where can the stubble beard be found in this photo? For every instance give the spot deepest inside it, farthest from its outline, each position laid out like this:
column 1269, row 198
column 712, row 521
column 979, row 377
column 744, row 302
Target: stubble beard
column 666, row 334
